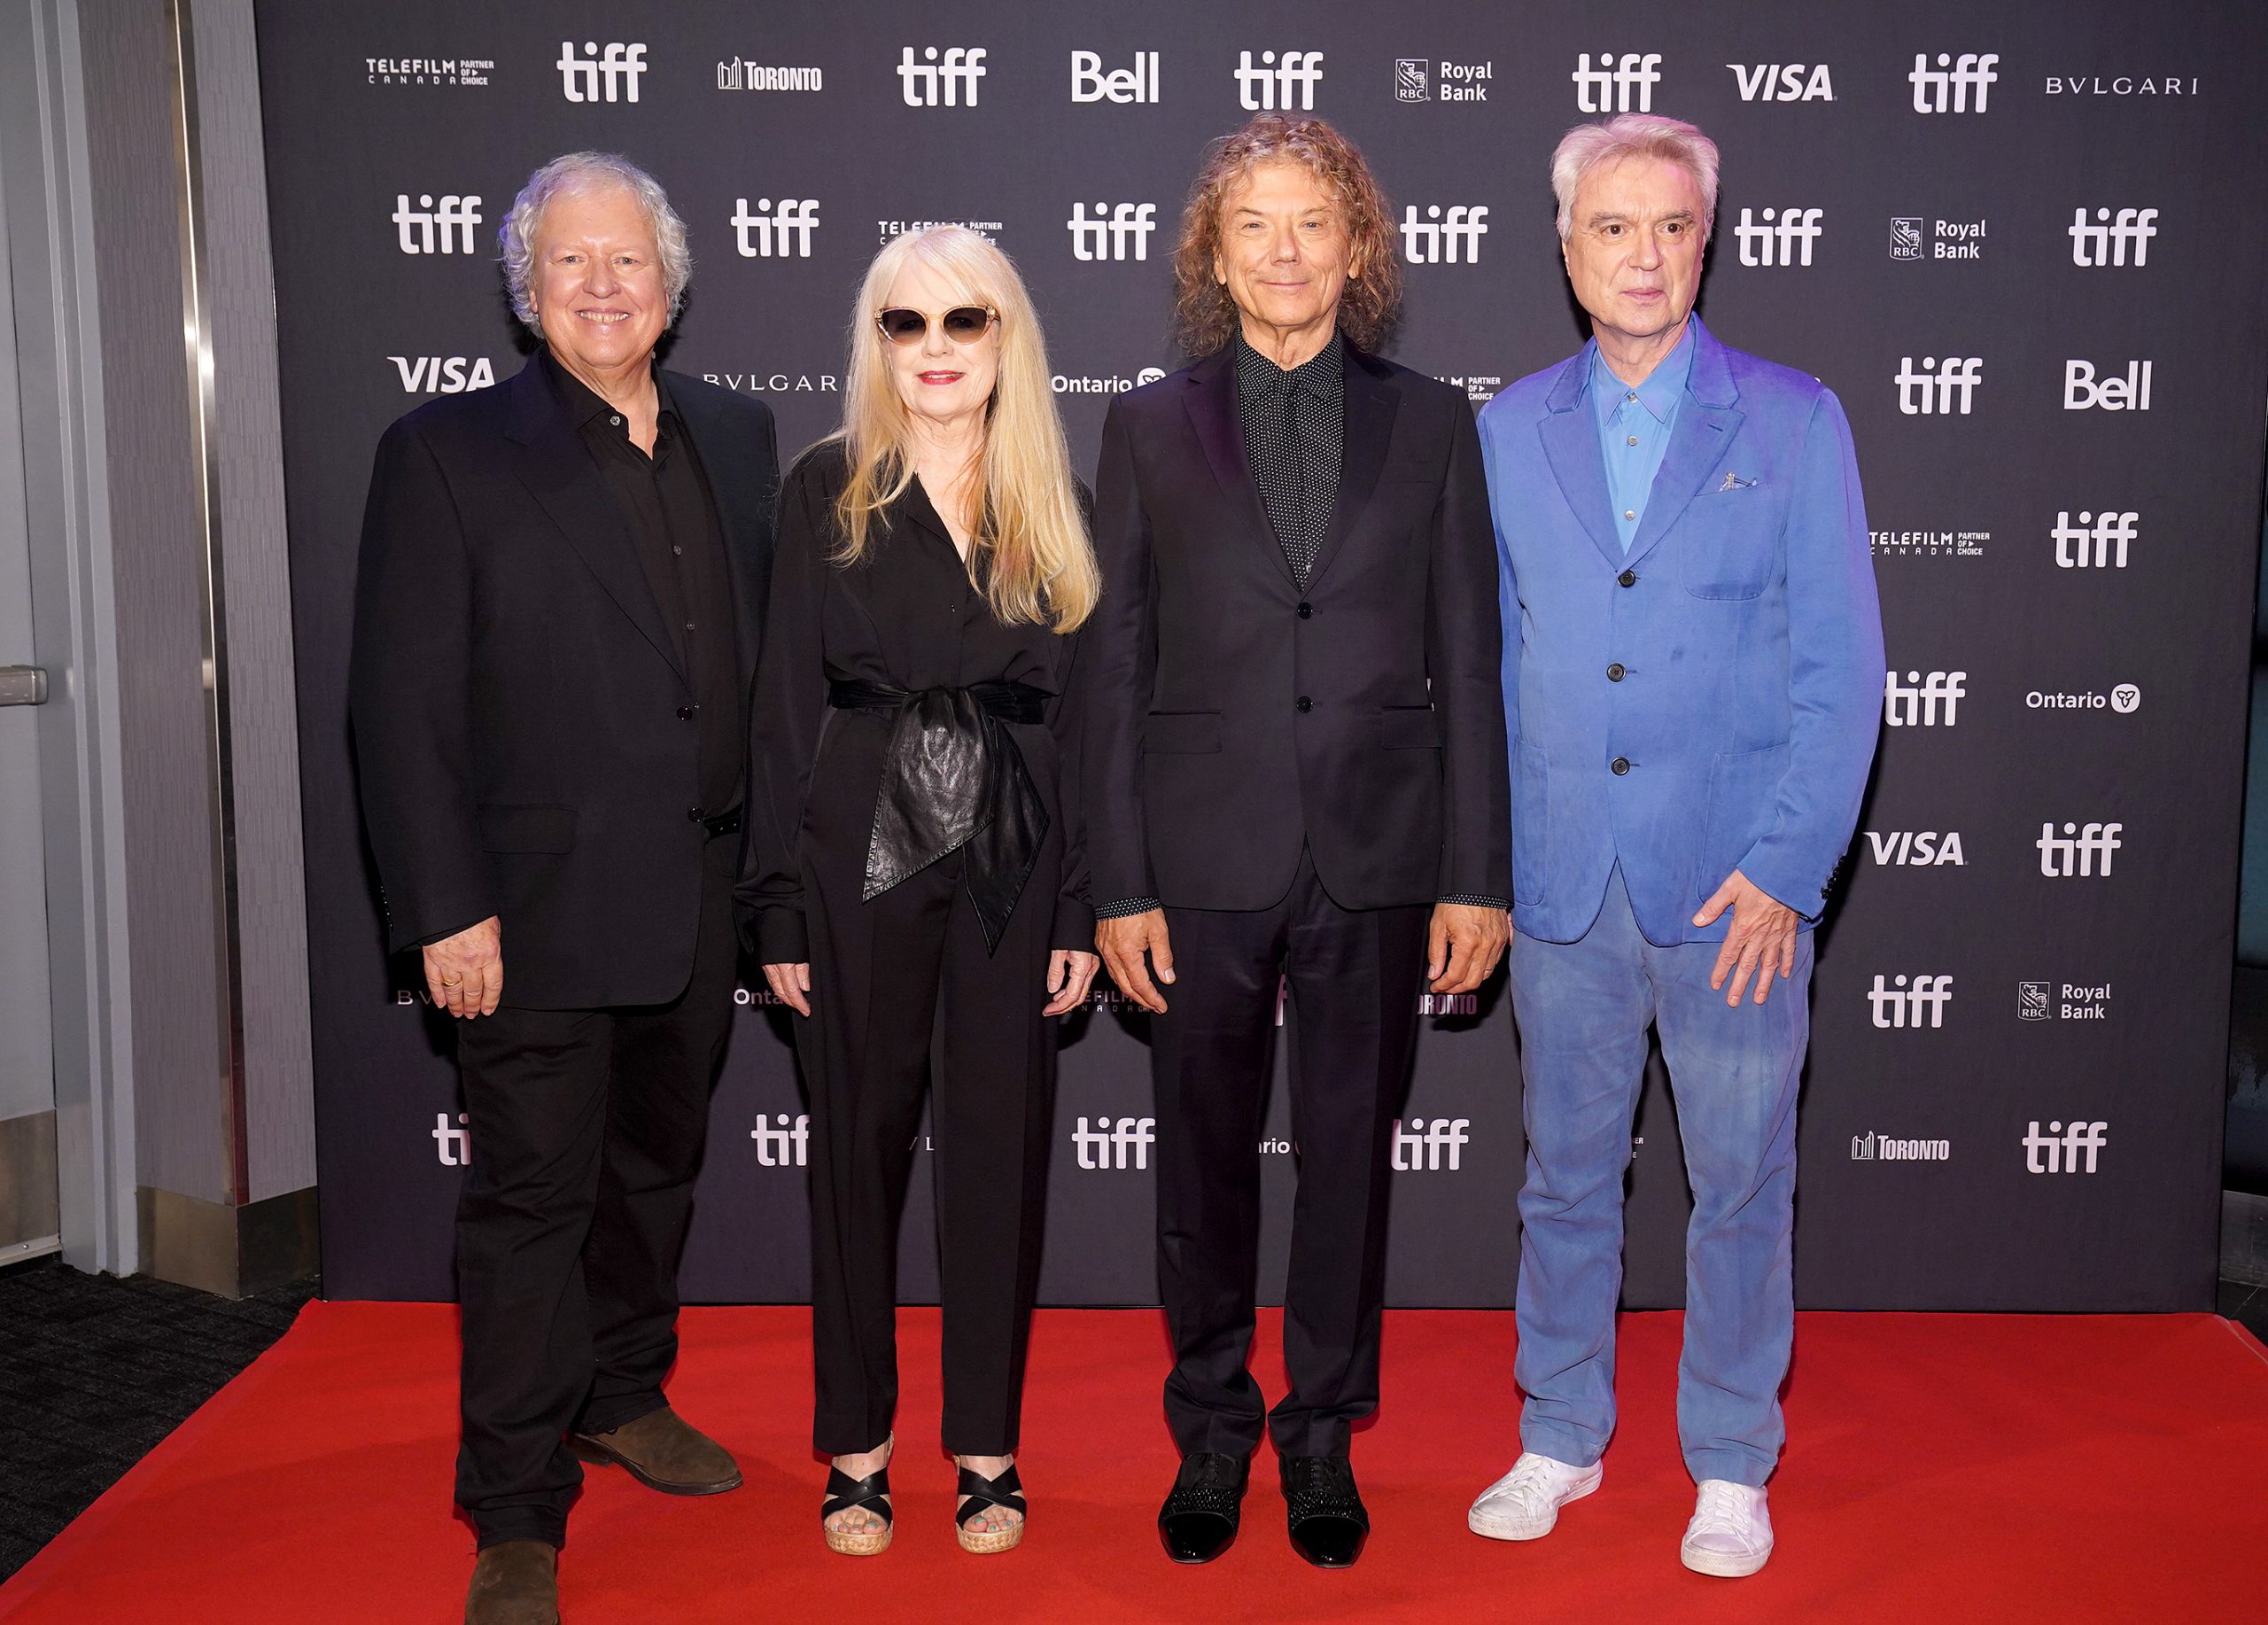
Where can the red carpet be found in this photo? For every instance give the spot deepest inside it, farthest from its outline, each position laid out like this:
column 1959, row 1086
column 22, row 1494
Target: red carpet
column 1942, row 1467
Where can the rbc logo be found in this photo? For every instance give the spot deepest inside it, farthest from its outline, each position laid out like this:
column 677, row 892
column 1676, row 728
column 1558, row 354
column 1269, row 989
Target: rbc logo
column 1951, row 81
column 2078, row 547
column 1900, row 1006
column 1279, row 85
column 1104, row 1147
column 1421, row 1147
column 1624, row 86
column 1105, row 236
column 1945, row 386
column 785, row 234
column 922, row 82
column 2106, row 242
column 1786, row 243
column 789, row 1145
column 1914, row 702
column 2062, row 1147
column 2075, row 851
column 611, row 77
column 443, row 229
column 2082, row 391
column 1438, row 240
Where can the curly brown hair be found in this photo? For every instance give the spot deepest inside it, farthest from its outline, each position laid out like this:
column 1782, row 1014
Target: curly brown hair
column 1204, row 315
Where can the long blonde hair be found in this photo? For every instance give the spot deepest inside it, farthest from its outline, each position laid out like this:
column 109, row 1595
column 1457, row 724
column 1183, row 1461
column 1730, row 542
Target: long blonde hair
column 1039, row 563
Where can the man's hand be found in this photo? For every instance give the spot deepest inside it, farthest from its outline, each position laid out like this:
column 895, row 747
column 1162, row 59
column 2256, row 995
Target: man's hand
column 465, row 972
column 793, row 985
column 1069, row 975
column 1762, row 939
column 1462, row 946
column 1123, row 942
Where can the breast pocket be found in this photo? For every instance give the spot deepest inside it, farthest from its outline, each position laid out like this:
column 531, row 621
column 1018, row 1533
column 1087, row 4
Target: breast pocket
column 1729, row 543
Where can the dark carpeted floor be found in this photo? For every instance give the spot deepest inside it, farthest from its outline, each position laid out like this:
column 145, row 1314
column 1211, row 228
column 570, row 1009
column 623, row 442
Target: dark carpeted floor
column 93, row 1371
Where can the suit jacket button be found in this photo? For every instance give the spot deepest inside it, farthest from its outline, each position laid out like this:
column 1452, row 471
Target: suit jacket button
column 685, row 713
column 1620, row 765
column 1307, row 611
column 1303, row 704
column 1629, row 578
column 1614, row 672
column 692, row 814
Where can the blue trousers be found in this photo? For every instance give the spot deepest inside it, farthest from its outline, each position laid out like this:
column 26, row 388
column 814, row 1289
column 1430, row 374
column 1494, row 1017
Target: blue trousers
column 1583, row 1009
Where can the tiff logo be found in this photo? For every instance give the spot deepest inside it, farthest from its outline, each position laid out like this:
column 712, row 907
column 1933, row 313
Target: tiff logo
column 789, row 1145
column 1951, row 81
column 1900, row 1006
column 2087, row 545
column 2082, row 391
column 2106, row 243
column 1786, row 243
column 1440, row 240
column 1104, row 1147
column 1089, row 83
column 430, row 229
column 1421, row 1147
column 1279, row 85
column 1914, row 703
column 2074, row 851
column 1933, row 389
column 923, row 83
column 1779, row 82
column 1919, row 849
column 611, row 77
column 1105, row 235
column 786, row 233
column 453, row 1142
column 2062, row 1147
column 1624, row 86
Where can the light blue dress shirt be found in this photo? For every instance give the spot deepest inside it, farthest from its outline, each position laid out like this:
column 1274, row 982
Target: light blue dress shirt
column 1633, row 427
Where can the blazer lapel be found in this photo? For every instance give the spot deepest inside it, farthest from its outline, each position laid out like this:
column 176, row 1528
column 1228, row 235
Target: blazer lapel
column 743, row 509
column 1706, row 421
column 1371, row 404
column 1570, row 435
column 1211, row 396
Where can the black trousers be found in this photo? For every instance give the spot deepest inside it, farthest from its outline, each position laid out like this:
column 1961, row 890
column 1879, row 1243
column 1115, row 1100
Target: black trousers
column 586, row 1132
column 1355, row 976
column 878, row 970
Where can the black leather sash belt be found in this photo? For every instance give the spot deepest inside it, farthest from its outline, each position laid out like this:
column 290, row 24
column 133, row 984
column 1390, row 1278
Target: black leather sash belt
column 954, row 778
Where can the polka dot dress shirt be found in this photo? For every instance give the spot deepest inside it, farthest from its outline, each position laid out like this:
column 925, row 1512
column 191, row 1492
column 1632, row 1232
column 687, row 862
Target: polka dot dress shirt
column 1295, row 430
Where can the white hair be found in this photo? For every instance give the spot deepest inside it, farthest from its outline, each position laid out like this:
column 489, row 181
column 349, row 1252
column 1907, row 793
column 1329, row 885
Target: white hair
column 1634, row 135
column 579, row 173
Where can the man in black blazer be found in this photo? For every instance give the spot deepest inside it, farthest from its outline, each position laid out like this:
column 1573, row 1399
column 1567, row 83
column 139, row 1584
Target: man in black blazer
column 1295, row 769
column 562, row 581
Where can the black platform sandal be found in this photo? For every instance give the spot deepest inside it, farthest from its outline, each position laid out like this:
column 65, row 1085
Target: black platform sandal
column 978, row 1492
column 869, row 1494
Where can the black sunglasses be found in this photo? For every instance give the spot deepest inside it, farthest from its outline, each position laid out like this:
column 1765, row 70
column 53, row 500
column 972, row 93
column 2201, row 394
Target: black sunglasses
column 962, row 324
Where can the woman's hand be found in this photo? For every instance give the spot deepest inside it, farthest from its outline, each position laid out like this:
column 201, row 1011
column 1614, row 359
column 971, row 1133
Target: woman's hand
column 792, row 984
column 1069, row 975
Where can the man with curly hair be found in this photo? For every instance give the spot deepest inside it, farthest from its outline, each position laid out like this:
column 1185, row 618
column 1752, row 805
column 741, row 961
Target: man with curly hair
column 1294, row 772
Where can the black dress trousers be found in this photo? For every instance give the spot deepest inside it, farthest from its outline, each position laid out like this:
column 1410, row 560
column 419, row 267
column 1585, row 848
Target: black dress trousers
column 588, row 1127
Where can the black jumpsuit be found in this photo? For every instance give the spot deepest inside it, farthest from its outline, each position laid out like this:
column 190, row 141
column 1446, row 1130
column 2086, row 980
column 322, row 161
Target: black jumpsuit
column 907, row 617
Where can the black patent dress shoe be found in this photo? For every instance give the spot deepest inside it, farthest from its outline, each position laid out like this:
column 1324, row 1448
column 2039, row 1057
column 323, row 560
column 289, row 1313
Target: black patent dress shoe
column 1324, row 1510
column 1199, row 1521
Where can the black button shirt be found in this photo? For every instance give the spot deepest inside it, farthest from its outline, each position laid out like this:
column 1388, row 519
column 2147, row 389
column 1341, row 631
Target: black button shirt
column 666, row 501
column 1294, row 429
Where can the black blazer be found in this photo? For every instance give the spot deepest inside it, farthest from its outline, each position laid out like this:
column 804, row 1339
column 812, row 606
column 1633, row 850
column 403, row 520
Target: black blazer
column 516, row 699
column 1232, row 716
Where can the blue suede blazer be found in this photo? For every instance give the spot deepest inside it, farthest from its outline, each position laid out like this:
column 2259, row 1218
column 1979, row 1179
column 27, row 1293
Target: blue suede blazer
column 1708, row 702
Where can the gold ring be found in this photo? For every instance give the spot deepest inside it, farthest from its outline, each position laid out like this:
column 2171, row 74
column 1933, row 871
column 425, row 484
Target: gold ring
column 451, row 981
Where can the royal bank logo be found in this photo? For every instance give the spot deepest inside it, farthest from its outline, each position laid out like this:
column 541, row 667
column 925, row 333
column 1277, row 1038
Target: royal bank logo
column 1113, row 229
column 1923, row 701
column 1281, row 82
column 2059, row 1151
column 1105, row 383
column 1444, row 237
column 774, row 231
column 443, row 375
column 1915, row 849
column 1783, row 81
column 461, row 71
column 1910, row 1001
column 2033, row 1003
column 1090, row 84
column 1906, row 240
column 1124, row 1146
column 2107, row 239
column 2129, row 391
column 2096, row 541
column 1413, row 80
column 1872, row 1148
column 740, row 73
column 1430, row 1148
column 2038, row 1001
column 2081, row 851
column 1784, row 236
column 1947, row 87
column 453, row 1141
column 1940, row 387
column 786, row 1146
column 608, row 75
column 2125, row 698
column 1914, row 236
column 947, row 79
column 443, row 228
column 1617, row 84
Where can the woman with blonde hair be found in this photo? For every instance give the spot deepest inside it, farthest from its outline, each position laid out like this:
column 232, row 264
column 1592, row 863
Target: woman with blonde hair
column 916, row 840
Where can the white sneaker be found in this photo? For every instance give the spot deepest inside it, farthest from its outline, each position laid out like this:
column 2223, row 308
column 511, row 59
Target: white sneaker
column 1524, row 1503
column 1731, row 1533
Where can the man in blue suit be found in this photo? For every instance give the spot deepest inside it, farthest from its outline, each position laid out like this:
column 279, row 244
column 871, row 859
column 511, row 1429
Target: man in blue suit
column 1693, row 672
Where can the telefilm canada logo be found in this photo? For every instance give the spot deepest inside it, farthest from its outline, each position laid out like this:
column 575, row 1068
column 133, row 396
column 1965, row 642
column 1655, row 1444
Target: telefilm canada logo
column 1116, row 232
column 1617, row 84
column 1928, row 544
column 783, row 230
column 1872, row 1148
column 608, row 74
column 465, row 72
column 1280, row 81
column 740, row 73
column 1943, row 239
column 946, row 78
column 885, row 230
column 1783, row 81
column 1444, row 237
column 1779, row 238
column 2062, row 1002
column 1480, row 387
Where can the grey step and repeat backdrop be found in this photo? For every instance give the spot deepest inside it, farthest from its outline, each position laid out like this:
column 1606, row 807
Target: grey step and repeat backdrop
column 2023, row 243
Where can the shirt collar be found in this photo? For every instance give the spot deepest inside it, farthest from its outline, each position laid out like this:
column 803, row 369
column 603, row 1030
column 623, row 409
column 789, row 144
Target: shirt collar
column 1658, row 394
column 582, row 402
column 1319, row 376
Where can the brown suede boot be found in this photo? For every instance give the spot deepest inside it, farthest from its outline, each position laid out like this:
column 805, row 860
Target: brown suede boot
column 663, row 1452
column 515, row 1582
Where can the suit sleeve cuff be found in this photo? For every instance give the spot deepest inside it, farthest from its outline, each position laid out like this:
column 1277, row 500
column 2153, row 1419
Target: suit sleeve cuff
column 1124, row 907
column 1468, row 900
column 1074, row 930
column 782, row 936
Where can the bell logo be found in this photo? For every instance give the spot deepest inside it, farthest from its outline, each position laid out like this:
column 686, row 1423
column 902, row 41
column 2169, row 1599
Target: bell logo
column 443, row 375
column 1421, row 1147
column 1105, row 235
column 446, row 228
column 1914, row 703
column 1782, row 81
column 2131, row 393
column 2088, row 545
column 2059, row 1147
column 785, row 233
column 1442, row 239
column 1279, row 85
column 2075, row 851
column 1945, row 87
column 789, row 1145
column 610, row 77
column 1787, row 242
column 1918, row 848
column 2106, row 241
column 922, row 83
column 453, row 1142
column 1089, row 83
column 1945, row 386
column 1104, row 1147
column 1900, row 1006
column 1616, row 86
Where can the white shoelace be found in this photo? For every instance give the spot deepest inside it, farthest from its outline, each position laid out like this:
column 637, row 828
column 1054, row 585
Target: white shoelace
column 1723, row 1510
column 1530, row 1487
